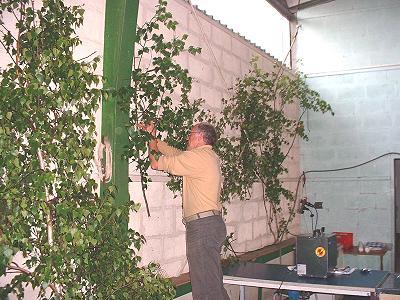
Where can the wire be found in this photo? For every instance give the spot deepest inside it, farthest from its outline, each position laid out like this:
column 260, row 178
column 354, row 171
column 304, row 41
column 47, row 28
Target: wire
column 277, row 291
column 316, row 214
column 303, row 175
column 316, row 217
column 279, row 288
column 312, row 221
column 351, row 167
column 206, row 40
column 305, row 208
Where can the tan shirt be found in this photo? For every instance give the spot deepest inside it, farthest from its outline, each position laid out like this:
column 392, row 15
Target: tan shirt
column 200, row 168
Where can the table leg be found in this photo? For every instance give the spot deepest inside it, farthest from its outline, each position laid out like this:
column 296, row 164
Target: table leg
column 381, row 256
column 241, row 292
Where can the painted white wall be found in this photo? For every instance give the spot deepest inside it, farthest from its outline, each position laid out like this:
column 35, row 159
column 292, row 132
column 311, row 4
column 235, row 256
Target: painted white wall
column 350, row 51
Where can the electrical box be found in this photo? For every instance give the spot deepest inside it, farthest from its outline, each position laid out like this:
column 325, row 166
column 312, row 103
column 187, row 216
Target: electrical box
column 316, row 256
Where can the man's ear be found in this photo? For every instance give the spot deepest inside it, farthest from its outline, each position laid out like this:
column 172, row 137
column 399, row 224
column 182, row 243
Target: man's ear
column 201, row 137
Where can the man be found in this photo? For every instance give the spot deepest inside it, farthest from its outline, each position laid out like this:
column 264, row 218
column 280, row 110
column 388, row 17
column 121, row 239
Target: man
column 205, row 229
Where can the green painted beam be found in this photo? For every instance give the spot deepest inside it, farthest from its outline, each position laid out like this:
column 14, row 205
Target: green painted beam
column 119, row 40
column 183, row 289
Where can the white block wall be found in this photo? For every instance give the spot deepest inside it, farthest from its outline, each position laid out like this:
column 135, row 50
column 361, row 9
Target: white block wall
column 356, row 68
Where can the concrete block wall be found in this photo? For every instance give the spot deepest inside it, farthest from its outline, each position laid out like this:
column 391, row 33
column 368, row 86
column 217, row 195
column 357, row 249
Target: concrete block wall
column 350, row 51
column 223, row 52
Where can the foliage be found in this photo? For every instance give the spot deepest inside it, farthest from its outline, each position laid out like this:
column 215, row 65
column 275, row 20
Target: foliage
column 50, row 212
column 157, row 78
column 265, row 134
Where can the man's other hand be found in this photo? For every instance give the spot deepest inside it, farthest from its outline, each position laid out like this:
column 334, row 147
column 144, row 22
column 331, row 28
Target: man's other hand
column 153, row 163
column 149, row 127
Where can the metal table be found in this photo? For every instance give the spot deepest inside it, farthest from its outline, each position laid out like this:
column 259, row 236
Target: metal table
column 274, row 276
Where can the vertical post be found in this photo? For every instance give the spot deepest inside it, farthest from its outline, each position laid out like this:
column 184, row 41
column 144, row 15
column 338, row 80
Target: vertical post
column 242, row 292
column 119, row 39
column 396, row 215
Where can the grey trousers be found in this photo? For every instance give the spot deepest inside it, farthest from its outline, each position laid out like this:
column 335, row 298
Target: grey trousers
column 204, row 239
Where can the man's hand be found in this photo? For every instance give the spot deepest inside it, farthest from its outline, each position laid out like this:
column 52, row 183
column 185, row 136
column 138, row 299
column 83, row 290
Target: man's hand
column 153, row 162
column 150, row 128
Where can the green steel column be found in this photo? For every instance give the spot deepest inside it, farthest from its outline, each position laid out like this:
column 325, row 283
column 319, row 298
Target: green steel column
column 119, row 39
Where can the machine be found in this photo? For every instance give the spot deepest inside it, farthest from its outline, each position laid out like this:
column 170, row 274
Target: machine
column 316, row 255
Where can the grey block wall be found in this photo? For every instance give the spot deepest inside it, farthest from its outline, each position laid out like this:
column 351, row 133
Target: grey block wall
column 350, row 50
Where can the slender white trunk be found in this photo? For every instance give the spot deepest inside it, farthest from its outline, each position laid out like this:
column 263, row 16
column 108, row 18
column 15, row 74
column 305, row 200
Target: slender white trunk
column 49, row 217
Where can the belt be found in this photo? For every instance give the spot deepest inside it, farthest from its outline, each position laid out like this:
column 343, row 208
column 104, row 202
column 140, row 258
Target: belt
column 200, row 215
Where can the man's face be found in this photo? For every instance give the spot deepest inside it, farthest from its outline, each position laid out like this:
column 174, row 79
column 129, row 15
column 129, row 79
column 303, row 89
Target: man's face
column 194, row 139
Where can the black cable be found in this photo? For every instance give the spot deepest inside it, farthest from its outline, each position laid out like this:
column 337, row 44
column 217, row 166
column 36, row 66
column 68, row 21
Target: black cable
column 316, row 217
column 316, row 214
column 351, row 167
column 311, row 216
column 277, row 291
column 303, row 175
column 312, row 221
column 279, row 288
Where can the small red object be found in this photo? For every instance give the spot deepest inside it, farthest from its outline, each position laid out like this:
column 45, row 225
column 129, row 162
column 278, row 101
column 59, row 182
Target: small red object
column 345, row 239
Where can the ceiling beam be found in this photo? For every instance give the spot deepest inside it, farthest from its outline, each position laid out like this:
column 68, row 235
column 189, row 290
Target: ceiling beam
column 283, row 9
column 308, row 4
